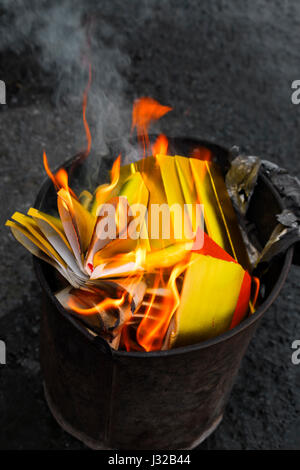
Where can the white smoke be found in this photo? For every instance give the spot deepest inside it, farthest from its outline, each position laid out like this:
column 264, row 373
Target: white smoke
column 63, row 36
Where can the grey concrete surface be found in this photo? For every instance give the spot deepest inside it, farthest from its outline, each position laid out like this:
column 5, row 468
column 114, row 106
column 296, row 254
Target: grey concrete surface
column 226, row 67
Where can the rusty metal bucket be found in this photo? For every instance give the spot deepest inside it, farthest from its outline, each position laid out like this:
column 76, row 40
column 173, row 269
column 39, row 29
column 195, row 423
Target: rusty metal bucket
column 157, row 400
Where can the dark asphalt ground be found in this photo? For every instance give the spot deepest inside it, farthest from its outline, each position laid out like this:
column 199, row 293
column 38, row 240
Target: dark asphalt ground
column 226, row 68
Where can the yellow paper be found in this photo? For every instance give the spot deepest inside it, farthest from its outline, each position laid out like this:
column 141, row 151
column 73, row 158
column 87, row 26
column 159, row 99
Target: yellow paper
column 148, row 262
column 105, row 192
column 208, row 299
column 151, row 174
column 85, row 199
column 168, row 257
column 83, row 220
column 53, row 232
column 54, row 222
column 29, row 242
column 136, row 192
column 188, row 187
column 114, row 248
column 174, row 195
column 220, row 219
column 36, row 235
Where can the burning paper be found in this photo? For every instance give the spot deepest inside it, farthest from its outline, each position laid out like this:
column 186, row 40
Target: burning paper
column 154, row 259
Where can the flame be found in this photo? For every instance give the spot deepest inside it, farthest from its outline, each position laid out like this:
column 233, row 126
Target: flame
column 201, row 153
column 115, row 172
column 60, row 179
column 84, row 105
column 129, row 343
column 105, row 304
column 102, row 191
column 155, row 322
column 160, row 147
column 145, row 111
column 140, row 257
column 147, row 328
column 156, row 310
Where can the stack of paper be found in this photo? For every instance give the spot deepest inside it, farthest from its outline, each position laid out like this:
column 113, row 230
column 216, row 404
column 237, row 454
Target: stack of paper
column 140, row 285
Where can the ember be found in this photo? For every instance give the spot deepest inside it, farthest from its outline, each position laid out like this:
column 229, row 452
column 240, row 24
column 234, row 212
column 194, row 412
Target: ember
column 155, row 258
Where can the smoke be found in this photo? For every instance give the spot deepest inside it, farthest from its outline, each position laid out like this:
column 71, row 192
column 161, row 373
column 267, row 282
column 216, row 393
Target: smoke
column 64, row 37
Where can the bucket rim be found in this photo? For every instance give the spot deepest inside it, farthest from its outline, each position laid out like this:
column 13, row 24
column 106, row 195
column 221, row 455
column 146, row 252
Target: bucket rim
column 253, row 318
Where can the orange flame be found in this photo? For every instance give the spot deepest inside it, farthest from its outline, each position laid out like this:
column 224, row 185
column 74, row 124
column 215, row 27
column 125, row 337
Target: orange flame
column 146, row 110
column 201, row 153
column 60, row 179
column 160, row 147
column 103, row 192
column 105, row 304
column 84, row 105
column 152, row 317
column 115, row 175
column 155, row 322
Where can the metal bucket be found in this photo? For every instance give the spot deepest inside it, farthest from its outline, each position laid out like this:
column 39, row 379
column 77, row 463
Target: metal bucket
column 156, row 400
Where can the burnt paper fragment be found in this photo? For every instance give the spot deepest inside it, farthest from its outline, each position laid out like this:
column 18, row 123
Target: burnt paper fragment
column 288, row 186
column 241, row 179
column 287, row 233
